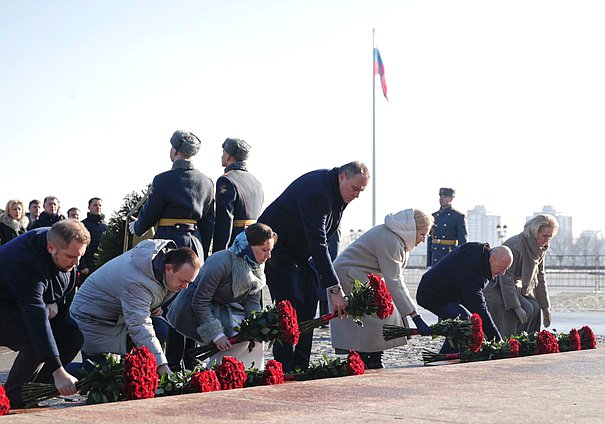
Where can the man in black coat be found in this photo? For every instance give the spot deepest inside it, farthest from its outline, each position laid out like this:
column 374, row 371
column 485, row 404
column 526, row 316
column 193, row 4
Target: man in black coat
column 239, row 195
column 35, row 273
column 304, row 216
column 50, row 214
column 96, row 227
column 454, row 286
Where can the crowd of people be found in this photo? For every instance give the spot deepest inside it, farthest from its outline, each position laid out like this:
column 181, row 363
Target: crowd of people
column 213, row 251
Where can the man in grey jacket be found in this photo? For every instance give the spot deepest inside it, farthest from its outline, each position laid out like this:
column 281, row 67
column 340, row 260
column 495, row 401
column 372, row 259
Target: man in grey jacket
column 120, row 298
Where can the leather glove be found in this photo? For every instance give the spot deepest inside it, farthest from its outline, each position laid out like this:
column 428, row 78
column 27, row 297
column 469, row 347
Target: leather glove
column 521, row 315
column 546, row 317
column 422, row 326
column 131, row 227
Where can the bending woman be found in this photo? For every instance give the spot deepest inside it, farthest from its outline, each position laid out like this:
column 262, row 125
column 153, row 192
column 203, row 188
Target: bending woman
column 383, row 250
column 228, row 288
column 516, row 298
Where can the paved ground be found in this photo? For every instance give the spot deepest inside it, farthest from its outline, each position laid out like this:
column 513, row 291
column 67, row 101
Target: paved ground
column 555, row 388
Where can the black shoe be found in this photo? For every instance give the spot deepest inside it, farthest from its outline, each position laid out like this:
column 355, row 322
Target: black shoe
column 374, row 361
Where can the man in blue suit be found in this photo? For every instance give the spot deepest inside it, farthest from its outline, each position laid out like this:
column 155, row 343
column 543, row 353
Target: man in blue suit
column 449, row 230
column 304, row 216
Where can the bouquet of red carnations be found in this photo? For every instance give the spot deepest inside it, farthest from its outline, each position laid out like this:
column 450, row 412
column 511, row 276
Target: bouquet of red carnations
column 272, row 374
column 569, row 341
column 231, row 373
column 5, row 404
column 466, row 334
column 370, row 298
column 132, row 377
column 327, row 368
column 488, row 350
column 276, row 323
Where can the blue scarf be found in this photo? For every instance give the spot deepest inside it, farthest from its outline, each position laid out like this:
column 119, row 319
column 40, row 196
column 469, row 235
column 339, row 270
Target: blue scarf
column 242, row 248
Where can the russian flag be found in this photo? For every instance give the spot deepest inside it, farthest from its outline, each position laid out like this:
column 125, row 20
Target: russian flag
column 379, row 70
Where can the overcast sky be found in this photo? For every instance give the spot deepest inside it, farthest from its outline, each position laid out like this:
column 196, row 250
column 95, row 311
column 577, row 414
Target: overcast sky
column 503, row 101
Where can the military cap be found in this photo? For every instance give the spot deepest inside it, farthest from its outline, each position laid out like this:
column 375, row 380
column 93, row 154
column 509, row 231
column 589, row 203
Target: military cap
column 443, row 191
column 236, row 147
column 185, row 142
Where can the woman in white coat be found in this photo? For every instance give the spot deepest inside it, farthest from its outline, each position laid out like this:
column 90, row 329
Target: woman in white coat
column 383, row 250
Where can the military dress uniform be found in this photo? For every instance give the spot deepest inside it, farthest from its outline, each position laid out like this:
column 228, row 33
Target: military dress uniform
column 181, row 202
column 448, row 232
column 239, row 201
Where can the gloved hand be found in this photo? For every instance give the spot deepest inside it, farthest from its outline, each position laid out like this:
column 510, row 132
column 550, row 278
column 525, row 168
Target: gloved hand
column 546, row 317
column 521, row 314
column 422, row 326
column 131, row 227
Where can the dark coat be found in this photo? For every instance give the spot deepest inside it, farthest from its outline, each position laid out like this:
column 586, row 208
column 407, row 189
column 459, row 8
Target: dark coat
column 450, row 224
column 96, row 227
column 460, row 278
column 239, row 196
column 183, row 192
column 304, row 216
column 46, row 220
column 29, row 280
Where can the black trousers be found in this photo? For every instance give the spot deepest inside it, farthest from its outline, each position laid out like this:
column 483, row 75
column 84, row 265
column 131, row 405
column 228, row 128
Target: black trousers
column 27, row 367
column 298, row 284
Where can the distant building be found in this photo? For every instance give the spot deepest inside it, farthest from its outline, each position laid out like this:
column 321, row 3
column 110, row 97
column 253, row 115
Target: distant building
column 483, row 227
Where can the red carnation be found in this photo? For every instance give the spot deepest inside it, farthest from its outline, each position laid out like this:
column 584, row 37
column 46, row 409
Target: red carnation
column 382, row 297
column 355, row 365
column 477, row 335
column 575, row 341
column 273, row 373
column 204, row 381
column 5, row 404
column 513, row 348
column 140, row 374
column 588, row 338
column 546, row 342
column 288, row 322
column 231, row 373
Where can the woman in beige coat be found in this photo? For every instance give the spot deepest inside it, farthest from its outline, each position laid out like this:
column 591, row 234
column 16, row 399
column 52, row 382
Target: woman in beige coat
column 383, row 250
column 516, row 298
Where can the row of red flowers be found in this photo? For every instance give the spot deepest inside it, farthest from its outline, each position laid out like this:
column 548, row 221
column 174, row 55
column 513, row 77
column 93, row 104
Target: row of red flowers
column 524, row 344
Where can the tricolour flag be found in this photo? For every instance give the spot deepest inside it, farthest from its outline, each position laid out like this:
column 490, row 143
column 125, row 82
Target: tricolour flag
column 379, row 70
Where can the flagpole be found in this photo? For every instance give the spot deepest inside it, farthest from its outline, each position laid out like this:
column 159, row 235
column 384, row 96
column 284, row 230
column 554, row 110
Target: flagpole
column 373, row 132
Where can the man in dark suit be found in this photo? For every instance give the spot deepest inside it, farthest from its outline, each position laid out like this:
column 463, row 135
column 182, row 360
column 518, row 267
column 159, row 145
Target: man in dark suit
column 35, row 274
column 50, row 214
column 304, row 216
column 96, row 227
column 239, row 195
column 454, row 286
column 449, row 230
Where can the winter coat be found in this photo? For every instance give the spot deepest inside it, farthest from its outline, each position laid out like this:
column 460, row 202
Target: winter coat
column 46, row 220
column 382, row 250
column 203, row 310
column 503, row 293
column 10, row 228
column 96, row 227
column 118, row 298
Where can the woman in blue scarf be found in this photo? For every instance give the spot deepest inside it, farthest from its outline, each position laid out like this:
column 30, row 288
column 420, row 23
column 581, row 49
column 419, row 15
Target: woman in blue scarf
column 228, row 288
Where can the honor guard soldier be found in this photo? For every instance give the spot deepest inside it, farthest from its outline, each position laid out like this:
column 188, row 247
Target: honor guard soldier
column 239, row 195
column 449, row 230
column 180, row 201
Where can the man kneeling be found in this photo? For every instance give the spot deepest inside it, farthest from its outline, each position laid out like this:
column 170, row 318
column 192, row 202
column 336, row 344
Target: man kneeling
column 120, row 298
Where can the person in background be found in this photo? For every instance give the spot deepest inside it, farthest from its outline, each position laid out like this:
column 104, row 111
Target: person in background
column 51, row 213
column 305, row 216
column 383, row 250
column 119, row 298
column 13, row 221
column 449, row 230
column 35, row 273
column 239, row 195
column 96, row 227
column 35, row 208
column 73, row 213
column 453, row 287
column 228, row 289
column 516, row 298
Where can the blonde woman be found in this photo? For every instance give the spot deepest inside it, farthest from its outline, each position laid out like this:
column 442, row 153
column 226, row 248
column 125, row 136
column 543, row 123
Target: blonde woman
column 383, row 250
column 516, row 298
column 13, row 221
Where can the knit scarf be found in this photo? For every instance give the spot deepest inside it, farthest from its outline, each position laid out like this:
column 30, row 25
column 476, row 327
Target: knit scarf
column 247, row 275
column 532, row 255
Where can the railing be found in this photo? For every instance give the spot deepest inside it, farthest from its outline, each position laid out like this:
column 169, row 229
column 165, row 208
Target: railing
column 562, row 271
